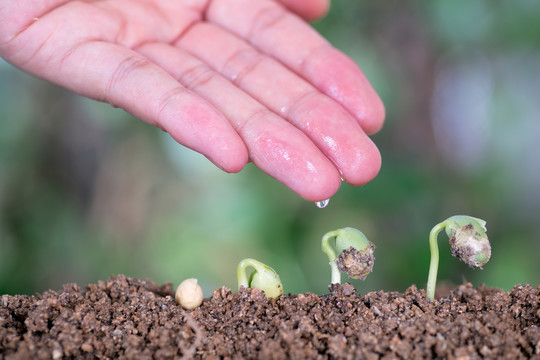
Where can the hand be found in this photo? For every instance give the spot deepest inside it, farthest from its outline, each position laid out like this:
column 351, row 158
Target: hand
column 236, row 80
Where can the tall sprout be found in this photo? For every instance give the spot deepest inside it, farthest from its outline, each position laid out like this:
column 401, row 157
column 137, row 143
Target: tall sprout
column 468, row 242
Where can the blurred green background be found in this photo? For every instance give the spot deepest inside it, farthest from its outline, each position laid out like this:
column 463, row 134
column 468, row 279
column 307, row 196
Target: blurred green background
column 87, row 191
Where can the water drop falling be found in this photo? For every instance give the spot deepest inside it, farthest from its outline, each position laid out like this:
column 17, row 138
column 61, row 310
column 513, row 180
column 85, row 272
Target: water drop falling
column 322, row 204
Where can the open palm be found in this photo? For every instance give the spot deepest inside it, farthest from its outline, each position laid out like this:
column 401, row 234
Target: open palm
column 236, row 80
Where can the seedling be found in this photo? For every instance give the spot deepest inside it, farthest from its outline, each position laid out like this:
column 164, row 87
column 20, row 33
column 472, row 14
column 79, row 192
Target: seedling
column 263, row 277
column 468, row 242
column 355, row 253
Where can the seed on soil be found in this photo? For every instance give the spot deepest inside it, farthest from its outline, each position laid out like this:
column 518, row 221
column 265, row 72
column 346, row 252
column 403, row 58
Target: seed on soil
column 189, row 294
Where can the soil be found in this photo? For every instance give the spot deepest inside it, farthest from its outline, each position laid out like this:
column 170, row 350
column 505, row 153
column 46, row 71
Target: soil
column 137, row 319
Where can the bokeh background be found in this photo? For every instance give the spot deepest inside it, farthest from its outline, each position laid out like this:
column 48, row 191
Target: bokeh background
column 86, row 191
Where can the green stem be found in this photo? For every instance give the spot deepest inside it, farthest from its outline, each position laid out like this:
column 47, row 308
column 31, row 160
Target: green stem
column 241, row 273
column 328, row 250
column 434, row 264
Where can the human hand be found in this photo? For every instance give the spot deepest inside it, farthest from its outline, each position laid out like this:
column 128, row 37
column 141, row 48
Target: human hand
column 236, row 80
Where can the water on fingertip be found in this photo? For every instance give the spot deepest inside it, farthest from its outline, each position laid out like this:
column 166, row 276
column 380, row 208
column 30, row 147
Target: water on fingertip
column 322, row 204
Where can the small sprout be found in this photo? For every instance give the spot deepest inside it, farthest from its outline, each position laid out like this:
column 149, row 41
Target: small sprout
column 468, row 242
column 263, row 277
column 355, row 253
column 189, row 294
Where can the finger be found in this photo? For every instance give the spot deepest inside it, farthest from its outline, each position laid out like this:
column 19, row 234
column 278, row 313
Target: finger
column 65, row 46
column 322, row 119
column 274, row 31
column 18, row 15
column 307, row 9
column 275, row 146
column 125, row 22
column 124, row 78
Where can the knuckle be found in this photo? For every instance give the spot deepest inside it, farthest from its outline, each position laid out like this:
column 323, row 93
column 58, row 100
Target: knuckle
column 266, row 19
column 306, row 103
column 123, row 71
column 196, row 76
column 163, row 103
column 240, row 64
column 248, row 125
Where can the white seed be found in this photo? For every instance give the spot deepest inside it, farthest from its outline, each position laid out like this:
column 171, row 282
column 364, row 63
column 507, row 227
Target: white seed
column 57, row 354
column 189, row 294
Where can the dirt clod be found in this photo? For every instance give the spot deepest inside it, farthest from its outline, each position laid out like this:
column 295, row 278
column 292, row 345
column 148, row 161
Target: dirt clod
column 136, row 319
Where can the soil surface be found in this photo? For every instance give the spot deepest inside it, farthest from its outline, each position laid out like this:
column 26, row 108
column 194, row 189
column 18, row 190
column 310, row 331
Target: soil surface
column 137, row 319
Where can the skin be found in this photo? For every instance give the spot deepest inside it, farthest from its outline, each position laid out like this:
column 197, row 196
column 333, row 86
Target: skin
column 236, row 80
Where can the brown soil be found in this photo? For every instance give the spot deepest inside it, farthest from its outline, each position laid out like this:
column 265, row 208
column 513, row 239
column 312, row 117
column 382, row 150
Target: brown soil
column 136, row 319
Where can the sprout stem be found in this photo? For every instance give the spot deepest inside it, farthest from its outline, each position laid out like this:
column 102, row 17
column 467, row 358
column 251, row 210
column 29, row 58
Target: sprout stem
column 241, row 272
column 329, row 251
column 434, row 264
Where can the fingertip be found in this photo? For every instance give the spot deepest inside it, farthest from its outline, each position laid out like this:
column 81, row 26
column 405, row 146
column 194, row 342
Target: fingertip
column 325, row 191
column 323, row 188
column 373, row 165
column 196, row 124
column 373, row 114
column 308, row 10
column 318, row 9
column 231, row 158
column 366, row 167
column 226, row 150
column 289, row 156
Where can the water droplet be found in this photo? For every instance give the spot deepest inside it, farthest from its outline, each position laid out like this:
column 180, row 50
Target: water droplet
column 322, row 204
